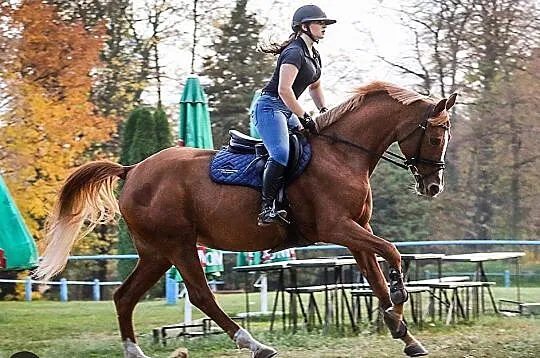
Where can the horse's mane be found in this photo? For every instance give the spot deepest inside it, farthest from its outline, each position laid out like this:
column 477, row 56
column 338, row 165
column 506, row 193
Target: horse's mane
column 400, row 94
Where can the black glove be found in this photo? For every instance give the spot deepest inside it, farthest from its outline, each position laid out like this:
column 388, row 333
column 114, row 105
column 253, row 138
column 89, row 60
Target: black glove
column 309, row 123
column 323, row 109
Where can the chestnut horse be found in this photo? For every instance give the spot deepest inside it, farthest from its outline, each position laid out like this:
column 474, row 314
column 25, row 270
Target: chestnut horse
column 170, row 204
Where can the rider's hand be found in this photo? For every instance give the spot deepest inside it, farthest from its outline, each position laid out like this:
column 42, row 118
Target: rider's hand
column 309, row 123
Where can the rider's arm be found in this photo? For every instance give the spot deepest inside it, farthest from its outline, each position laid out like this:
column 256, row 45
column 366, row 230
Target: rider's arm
column 316, row 93
column 287, row 75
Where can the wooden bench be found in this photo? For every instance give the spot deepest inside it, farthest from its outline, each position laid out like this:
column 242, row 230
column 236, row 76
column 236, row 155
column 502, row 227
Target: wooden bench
column 331, row 305
column 436, row 280
column 201, row 327
column 454, row 303
column 415, row 295
column 517, row 307
column 532, row 308
column 312, row 307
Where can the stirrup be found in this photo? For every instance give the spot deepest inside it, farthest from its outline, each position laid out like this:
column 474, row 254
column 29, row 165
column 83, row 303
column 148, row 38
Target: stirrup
column 270, row 216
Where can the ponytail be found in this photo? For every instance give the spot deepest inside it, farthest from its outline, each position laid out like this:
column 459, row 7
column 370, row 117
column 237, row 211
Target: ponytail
column 276, row 48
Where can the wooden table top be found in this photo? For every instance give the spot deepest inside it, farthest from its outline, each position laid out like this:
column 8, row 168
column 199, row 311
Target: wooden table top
column 484, row 256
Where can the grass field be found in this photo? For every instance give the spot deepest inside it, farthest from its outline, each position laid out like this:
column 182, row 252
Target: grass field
column 89, row 329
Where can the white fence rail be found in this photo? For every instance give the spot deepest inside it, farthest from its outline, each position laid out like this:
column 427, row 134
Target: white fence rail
column 63, row 283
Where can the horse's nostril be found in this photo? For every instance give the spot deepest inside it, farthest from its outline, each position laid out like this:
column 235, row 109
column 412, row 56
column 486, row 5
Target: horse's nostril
column 433, row 189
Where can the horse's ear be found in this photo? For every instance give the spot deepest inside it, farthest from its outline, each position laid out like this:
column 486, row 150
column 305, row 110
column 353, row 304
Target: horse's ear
column 451, row 101
column 441, row 106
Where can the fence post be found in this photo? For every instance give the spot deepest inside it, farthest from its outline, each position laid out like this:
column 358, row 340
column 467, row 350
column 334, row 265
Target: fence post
column 28, row 289
column 506, row 278
column 171, row 290
column 63, row 290
column 187, row 309
column 96, row 290
column 264, row 293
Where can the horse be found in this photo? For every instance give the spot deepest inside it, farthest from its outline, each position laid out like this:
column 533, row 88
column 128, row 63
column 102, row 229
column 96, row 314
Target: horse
column 170, row 205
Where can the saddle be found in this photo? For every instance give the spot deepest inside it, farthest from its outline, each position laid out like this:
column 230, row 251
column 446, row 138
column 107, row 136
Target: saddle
column 242, row 161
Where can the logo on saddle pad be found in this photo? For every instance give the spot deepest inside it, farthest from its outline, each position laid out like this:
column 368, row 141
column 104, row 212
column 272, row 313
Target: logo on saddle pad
column 242, row 161
column 228, row 169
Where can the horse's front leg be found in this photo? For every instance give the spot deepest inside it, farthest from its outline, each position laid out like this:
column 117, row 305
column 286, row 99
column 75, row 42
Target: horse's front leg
column 362, row 243
column 372, row 272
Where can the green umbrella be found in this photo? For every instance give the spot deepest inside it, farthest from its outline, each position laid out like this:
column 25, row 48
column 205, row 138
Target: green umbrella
column 251, row 258
column 252, row 130
column 17, row 248
column 195, row 131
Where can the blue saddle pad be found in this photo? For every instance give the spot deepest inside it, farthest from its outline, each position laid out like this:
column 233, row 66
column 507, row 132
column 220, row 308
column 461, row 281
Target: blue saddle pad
column 246, row 169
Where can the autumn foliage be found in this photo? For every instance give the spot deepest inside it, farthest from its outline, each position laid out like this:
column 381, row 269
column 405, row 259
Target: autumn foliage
column 47, row 123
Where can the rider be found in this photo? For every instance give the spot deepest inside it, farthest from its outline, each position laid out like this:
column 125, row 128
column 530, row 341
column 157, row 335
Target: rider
column 277, row 109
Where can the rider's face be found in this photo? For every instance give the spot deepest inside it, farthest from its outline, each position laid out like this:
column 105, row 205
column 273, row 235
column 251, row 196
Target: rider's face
column 318, row 29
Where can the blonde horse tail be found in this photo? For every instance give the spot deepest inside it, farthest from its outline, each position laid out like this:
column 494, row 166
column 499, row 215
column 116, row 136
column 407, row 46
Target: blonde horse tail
column 87, row 196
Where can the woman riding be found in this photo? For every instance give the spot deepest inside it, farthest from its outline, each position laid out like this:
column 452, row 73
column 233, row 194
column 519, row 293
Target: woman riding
column 277, row 109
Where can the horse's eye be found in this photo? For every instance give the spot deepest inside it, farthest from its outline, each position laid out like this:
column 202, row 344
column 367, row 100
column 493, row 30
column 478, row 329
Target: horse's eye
column 435, row 141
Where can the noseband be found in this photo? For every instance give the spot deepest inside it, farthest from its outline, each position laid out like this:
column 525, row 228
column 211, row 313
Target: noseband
column 407, row 163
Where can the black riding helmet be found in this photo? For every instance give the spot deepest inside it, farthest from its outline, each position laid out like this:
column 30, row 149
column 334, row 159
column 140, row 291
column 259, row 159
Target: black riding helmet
column 308, row 13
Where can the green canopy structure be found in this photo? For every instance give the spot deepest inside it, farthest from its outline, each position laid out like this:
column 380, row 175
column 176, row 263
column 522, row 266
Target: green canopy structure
column 263, row 257
column 17, row 247
column 252, row 130
column 194, row 128
column 195, row 131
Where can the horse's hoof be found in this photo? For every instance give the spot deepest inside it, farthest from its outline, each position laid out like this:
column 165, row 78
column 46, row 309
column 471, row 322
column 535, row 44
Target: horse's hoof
column 415, row 349
column 265, row 352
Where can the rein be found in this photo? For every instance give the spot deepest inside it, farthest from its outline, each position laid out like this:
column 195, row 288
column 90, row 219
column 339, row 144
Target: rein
column 333, row 140
column 407, row 163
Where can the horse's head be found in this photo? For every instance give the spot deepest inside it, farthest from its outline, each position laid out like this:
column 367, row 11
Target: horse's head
column 425, row 147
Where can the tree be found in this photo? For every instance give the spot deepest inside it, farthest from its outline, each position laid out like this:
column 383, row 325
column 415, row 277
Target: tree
column 50, row 121
column 480, row 45
column 516, row 98
column 236, row 70
column 398, row 213
column 145, row 133
column 144, row 141
column 164, row 138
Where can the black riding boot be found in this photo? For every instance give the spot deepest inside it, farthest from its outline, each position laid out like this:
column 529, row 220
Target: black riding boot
column 272, row 181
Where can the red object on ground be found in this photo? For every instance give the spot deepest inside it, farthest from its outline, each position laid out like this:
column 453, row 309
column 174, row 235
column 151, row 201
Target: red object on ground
column 2, row 260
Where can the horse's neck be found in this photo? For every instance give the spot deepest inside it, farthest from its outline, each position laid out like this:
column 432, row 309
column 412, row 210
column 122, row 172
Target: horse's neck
column 372, row 127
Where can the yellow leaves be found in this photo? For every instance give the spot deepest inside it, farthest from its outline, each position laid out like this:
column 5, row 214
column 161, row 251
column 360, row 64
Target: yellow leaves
column 51, row 123
column 54, row 54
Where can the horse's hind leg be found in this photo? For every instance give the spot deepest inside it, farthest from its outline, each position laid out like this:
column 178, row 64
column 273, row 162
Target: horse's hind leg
column 372, row 272
column 144, row 276
column 187, row 262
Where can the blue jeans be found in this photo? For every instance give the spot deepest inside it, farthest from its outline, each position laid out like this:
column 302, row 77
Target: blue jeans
column 273, row 118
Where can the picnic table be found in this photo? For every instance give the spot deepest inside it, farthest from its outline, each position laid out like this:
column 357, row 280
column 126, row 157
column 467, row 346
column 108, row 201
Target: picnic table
column 479, row 258
column 418, row 259
column 280, row 267
column 334, row 287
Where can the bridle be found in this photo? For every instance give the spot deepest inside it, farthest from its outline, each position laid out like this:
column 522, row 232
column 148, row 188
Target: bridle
column 406, row 163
